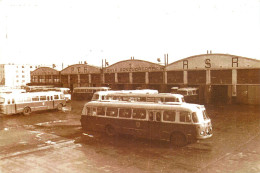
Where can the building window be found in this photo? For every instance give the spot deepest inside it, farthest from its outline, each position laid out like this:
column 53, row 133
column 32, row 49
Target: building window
column 22, row 66
column 16, row 71
column 23, row 76
column 30, row 66
column 17, row 76
column 17, row 80
column 23, row 81
column 22, row 71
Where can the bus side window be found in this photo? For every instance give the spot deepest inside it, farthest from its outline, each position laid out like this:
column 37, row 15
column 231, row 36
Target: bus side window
column 42, row 98
column 89, row 111
column 112, row 112
column 139, row 113
column 143, row 99
column 185, row 116
column 169, row 116
column 56, row 97
column 125, row 113
column 103, row 98
column 13, row 101
column 8, row 101
column 35, row 98
column 158, row 116
column 151, row 116
column 101, row 111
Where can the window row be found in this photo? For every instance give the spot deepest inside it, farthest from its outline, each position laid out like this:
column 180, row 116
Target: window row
column 143, row 114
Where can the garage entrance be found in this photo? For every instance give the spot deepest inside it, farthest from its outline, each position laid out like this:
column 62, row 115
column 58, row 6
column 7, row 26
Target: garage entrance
column 219, row 94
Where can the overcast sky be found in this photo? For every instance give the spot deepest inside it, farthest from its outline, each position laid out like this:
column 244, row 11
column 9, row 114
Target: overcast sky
column 69, row 31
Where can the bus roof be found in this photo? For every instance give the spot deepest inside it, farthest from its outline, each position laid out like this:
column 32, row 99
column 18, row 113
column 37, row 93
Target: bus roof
column 144, row 95
column 14, row 95
column 147, row 105
column 187, row 89
column 91, row 88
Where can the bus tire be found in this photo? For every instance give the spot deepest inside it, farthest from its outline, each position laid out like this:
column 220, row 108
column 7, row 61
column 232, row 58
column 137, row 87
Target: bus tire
column 59, row 107
column 110, row 131
column 26, row 111
column 178, row 139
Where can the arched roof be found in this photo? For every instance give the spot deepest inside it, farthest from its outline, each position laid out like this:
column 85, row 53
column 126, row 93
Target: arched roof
column 213, row 61
column 80, row 69
column 133, row 65
column 45, row 71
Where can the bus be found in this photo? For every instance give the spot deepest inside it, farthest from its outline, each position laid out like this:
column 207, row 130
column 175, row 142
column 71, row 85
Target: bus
column 29, row 102
column 179, row 124
column 102, row 95
column 141, row 97
column 190, row 94
column 65, row 91
column 86, row 93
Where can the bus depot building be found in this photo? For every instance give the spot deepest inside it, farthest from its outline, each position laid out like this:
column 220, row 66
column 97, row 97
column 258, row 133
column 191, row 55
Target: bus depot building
column 221, row 78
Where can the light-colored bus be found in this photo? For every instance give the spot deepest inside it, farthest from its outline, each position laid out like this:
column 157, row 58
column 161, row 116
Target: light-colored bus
column 86, row 93
column 103, row 95
column 65, row 91
column 29, row 102
column 191, row 95
column 141, row 97
column 179, row 124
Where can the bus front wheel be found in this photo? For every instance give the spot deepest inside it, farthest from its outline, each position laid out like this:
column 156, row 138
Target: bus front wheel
column 59, row 107
column 178, row 139
column 26, row 111
column 110, row 131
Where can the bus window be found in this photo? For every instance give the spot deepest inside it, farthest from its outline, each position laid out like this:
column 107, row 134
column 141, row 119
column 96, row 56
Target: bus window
column 125, row 113
column 112, row 112
column 143, row 99
column 169, row 116
column 194, row 117
column 2, row 100
column 35, row 98
column 205, row 116
column 27, row 99
column 170, row 99
column 103, row 97
column 89, row 111
column 157, row 100
column 42, row 97
column 185, row 116
column 56, row 97
column 8, row 101
column 151, row 116
column 150, row 99
column 101, row 111
column 139, row 113
column 158, row 116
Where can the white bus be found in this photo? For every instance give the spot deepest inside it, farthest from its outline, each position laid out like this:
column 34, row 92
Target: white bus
column 86, row 93
column 102, row 95
column 142, row 97
column 29, row 102
column 179, row 124
column 191, row 95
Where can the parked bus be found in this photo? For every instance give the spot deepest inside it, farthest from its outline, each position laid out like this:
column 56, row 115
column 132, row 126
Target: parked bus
column 29, row 102
column 191, row 95
column 65, row 91
column 141, row 97
column 86, row 93
column 11, row 90
column 103, row 95
column 178, row 124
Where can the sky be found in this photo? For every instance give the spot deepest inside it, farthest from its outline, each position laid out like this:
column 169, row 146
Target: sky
column 69, row 31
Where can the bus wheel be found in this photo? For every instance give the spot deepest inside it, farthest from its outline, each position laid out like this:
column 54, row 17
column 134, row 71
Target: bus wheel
column 178, row 139
column 26, row 111
column 59, row 107
column 110, row 131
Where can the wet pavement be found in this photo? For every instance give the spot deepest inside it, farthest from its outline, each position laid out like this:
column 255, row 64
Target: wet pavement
column 54, row 142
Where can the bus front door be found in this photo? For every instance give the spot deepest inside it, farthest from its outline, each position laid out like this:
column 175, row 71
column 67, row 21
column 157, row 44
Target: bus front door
column 155, row 124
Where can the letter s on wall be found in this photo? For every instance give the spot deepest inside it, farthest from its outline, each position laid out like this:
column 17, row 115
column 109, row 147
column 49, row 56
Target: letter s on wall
column 207, row 62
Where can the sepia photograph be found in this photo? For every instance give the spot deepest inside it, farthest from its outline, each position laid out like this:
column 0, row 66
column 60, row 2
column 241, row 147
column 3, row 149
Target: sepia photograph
column 148, row 86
